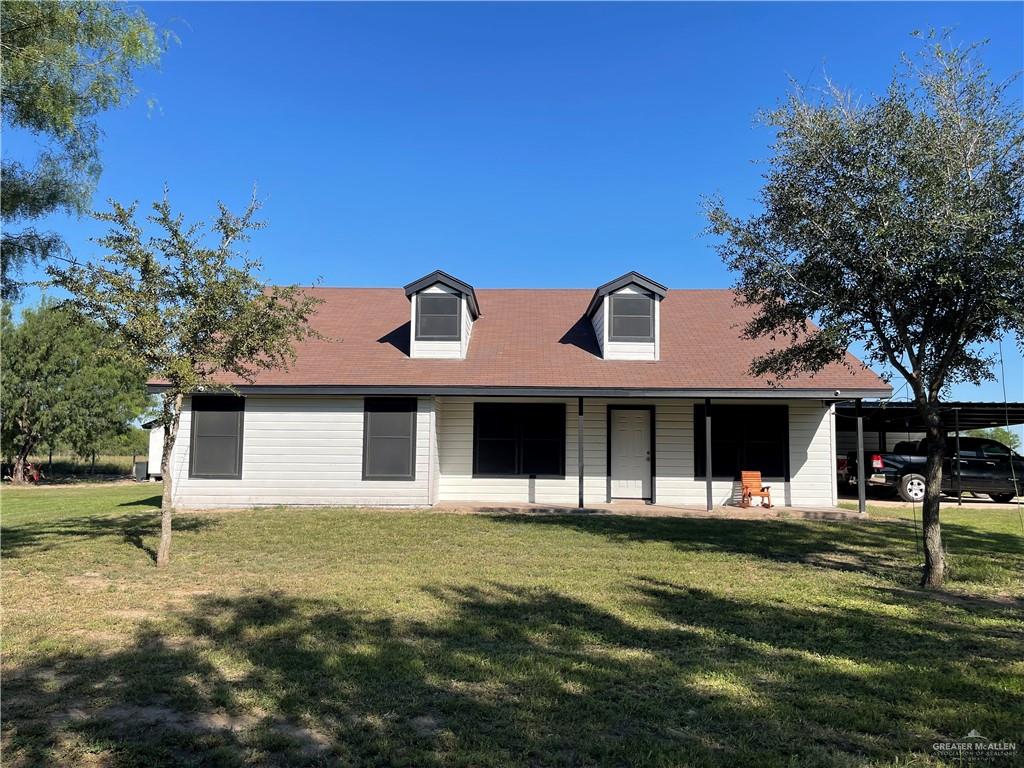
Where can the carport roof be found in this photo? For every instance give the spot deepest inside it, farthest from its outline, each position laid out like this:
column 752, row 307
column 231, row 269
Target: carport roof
column 894, row 417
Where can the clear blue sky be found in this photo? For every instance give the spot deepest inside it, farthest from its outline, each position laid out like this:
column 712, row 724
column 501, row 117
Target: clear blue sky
column 510, row 144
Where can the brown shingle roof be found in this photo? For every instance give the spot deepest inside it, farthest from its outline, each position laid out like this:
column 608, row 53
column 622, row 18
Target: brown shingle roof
column 538, row 338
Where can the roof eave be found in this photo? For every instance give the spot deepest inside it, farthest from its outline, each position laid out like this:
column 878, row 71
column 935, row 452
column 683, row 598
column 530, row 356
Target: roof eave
column 794, row 393
column 440, row 276
column 630, row 278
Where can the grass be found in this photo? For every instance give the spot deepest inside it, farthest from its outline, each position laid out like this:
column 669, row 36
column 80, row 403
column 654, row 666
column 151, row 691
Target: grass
column 380, row 638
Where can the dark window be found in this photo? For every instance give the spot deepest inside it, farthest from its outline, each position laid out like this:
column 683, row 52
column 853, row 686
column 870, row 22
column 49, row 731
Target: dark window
column 970, row 447
column 519, row 439
column 216, row 441
column 438, row 317
column 632, row 318
column 743, row 438
column 389, row 438
column 995, row 451
column 966, row 452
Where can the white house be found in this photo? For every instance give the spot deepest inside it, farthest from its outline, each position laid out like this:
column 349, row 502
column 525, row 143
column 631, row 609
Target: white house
column 439, row 392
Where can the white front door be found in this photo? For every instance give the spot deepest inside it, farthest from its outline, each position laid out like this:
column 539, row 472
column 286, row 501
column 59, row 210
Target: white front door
column 631, row 453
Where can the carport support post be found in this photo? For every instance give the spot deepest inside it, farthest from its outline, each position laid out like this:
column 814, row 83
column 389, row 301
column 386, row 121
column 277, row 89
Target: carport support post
column 862, row 500
column 707, row 453
column 579, row 444
column 956, row 460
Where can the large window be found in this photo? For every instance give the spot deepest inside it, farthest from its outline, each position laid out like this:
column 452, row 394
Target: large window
column 519, row 439
column 215, row 448
column 743, row 438
column 438, row 317
column 632, row 318
column 389, row 438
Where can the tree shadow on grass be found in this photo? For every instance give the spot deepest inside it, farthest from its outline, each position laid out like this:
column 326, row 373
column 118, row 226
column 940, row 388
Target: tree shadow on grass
column 149, row 501
column 884, row 548
column 501, row 675
column 20, row 540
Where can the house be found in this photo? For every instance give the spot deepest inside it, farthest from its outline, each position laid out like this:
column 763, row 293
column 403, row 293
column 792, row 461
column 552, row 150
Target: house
column 443, row 393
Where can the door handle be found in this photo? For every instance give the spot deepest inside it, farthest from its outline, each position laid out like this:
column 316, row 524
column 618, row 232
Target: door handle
column 648, row 455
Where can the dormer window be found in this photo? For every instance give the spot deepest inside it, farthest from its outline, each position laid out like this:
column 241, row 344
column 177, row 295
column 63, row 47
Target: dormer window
column 442, row 312
column 632, row 318
column 438, row 317
column 626, row 315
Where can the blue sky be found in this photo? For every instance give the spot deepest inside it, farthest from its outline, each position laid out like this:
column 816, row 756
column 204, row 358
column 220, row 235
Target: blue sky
column 510, row 144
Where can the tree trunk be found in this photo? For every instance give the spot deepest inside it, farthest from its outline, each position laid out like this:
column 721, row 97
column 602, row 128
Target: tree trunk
column 18, row 470
column 20, row 464
column 934, row 558
column 171, row 415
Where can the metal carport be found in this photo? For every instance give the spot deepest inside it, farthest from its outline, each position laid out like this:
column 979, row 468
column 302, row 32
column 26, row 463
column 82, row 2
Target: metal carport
column 887, row 416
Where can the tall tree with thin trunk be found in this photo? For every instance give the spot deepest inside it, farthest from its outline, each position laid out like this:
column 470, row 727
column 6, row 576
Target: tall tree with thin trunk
column 61, row 65
column 186, row 305
column 894, row 222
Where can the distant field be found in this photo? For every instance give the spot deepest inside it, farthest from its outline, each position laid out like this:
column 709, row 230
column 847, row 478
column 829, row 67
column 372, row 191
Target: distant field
column 69, row 466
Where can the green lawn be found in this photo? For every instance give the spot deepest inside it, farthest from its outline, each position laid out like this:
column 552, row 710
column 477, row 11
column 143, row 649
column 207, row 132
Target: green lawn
column 349, row 637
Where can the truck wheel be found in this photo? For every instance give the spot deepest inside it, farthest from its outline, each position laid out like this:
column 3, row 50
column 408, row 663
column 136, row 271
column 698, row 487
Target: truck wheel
column 1002, row 498
column 911, row 488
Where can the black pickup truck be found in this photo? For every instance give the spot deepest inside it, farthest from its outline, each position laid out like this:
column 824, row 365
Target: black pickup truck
column 985, row 467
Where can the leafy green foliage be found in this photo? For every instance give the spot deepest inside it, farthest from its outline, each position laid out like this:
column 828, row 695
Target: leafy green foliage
column 896, row 223
column 134, row 441
column 62, row 385
column 188, row 312
column 186, row 306
column 62, row 64
column 1000, row 434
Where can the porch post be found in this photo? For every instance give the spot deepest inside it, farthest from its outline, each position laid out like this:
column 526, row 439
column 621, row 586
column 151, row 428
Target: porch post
column 579, row 444
column 862, row 501
column 707, row 454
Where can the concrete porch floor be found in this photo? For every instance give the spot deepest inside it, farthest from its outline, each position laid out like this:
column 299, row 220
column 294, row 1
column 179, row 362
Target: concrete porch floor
column 640, row 509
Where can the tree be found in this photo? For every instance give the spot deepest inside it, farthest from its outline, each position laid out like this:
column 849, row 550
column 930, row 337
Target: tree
column 1000, row 434
column 894, row 223
column 108, row 398
column 133, row 441
column 61, row 64
column 186, row 305
column 60, row 381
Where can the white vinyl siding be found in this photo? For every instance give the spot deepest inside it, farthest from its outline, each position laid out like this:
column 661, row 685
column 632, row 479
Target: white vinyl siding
column 812, row 464
column 156, row 451
column 308, row 451
column 304, row 451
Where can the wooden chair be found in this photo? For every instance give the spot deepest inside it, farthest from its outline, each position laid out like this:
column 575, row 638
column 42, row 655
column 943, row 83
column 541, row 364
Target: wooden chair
column 752, row 486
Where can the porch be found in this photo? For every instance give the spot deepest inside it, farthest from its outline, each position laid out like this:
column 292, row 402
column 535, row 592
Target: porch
column 641, row 509
column 632, row 455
